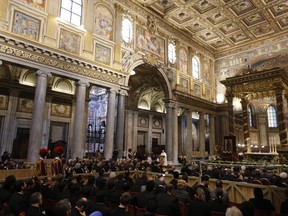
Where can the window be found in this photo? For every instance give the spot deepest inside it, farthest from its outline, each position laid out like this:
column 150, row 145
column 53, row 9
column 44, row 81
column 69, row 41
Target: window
column 249, row 110
column 272, row 118
column 171, row 53
column 195, row 68
column 71, row 11
column 127, row 30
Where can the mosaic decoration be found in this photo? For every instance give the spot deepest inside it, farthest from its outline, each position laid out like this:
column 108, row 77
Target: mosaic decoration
column 3, row 102
column 183, row 61
column 69, row 41
column 104, row 22
column 26, row 26
column 149, row 42
column 25, row 105
column 40, row 4
column 61, row 110
column 102, row 54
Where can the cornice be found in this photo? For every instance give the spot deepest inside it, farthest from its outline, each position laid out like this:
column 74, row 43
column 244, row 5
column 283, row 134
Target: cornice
column 197, row 103
column 45, row 56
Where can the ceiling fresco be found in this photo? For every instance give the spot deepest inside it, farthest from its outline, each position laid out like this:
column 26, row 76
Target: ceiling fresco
column 224, row 24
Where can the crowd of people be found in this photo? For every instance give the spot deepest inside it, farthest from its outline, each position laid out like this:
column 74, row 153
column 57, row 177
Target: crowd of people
column 116, row 194
column 88, row 195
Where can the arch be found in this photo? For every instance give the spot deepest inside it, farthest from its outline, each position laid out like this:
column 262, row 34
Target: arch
column 196, row 68
column 272, row 117
column 251, row 114
column 103, row 21
column 160, row 71
column 260, row 64
column 63, row 85
column 5, row 72
column 28, row 78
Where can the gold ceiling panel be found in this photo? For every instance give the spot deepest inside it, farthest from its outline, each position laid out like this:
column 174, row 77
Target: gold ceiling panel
column 224, row 24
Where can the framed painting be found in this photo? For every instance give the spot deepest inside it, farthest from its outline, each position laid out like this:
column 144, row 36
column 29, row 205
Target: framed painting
column 102, row 54
column 197, row 90
column 183, row 61
column 145, row 40
column 25, row 105
column 26, row 26
column 103, row 22
column 3, row 102
column 61, row 110
column 69, row 41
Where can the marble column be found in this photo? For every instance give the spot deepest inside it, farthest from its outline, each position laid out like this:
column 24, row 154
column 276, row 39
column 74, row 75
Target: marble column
column 46, row 121
column 229, row 97
column 110, row 123
column 135, row 130
column 120, row 122
column 168, row 132
column 175, row 133
column 281, row 118
column 10, row 122
column 150, row 128
column 128, row 131
column 246, row 123
column 212, row 134
column 188, row 145
column 263, row 130
column 182, row 135
column 36, row 132
column 202, row 134
column 79, row 128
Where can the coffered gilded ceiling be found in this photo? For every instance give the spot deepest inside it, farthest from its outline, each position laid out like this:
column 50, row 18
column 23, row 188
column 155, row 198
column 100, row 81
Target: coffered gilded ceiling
column 224, row 24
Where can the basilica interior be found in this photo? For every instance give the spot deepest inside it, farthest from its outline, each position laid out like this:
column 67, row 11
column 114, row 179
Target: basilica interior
column 199, row 78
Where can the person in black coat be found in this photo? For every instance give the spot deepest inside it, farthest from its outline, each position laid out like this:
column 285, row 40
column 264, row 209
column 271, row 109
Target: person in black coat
column 219, row 203
column 146, row 195
column 19, row 201
column 36, row 202
column 79, row 208
column 7, row 189
column 199, row 206
column 122, row 209
column 259, row 202
column 167, row 202
column 284, row 204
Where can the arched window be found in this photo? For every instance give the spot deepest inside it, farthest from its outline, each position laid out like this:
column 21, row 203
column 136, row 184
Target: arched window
column 71, row 11
column 171, row 53
column 250, row 114
column 195, row 68
column 272, row 118
column 127, row 30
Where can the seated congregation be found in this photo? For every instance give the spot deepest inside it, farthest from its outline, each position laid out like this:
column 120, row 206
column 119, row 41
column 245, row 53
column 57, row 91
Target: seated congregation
column 120, row 195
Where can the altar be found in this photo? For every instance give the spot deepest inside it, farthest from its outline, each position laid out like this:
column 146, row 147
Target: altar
column 268, row 156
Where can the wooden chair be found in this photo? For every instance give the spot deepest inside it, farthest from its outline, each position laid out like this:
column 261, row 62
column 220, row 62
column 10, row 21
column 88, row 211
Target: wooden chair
column 234, row 204
column 256, row 181
column 131, row 210
column 265, row 181
column 183, row 208
column 262, row 212
column 215, row 213
column 139, row 211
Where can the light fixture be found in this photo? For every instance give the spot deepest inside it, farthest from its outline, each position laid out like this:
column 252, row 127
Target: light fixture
column 132, row 73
